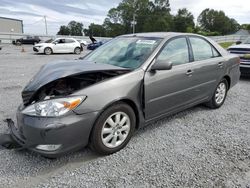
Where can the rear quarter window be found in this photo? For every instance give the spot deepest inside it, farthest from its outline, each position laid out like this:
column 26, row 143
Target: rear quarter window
column 69, row 41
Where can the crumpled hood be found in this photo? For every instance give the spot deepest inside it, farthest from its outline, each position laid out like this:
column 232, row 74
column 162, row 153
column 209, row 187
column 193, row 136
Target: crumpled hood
column 56, row 70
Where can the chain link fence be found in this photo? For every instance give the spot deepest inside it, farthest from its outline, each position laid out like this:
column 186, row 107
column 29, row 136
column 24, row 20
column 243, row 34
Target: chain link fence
column 9, row 37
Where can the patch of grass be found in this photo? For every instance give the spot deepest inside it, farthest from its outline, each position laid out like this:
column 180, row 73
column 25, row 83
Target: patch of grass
column 226, row 44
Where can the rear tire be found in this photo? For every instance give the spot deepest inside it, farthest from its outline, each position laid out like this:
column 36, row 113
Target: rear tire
column 48, row 51
column 113, row 129
column 219, row 95
column 77, row 50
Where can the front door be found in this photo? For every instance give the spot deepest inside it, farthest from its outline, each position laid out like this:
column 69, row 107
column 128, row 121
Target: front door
column 59, row 46
column 169, row 90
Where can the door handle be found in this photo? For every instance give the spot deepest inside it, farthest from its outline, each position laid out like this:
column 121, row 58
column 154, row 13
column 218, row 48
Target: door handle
column 220, row 64
column 189, row 73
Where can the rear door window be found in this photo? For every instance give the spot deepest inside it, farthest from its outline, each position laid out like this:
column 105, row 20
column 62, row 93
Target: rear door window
column 69, row 41
column 202, row 49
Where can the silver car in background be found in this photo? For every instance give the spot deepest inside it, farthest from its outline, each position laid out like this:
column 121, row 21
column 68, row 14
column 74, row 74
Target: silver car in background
column 121, row 86
column 242, row 49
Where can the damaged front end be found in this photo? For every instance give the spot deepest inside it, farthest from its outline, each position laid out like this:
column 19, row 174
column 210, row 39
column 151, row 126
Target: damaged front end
column 6, row 140
column 62, row 79
column 40, row 126
column 66, row 86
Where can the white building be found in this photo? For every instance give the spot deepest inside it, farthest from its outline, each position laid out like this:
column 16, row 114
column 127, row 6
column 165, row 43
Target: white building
column 10, row 25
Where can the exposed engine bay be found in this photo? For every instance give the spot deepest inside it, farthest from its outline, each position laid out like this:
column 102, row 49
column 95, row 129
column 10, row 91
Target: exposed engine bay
column 68, row 85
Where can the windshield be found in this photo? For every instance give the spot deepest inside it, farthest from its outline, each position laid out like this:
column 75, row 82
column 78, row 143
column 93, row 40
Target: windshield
column 127, row 52
column 247, row 41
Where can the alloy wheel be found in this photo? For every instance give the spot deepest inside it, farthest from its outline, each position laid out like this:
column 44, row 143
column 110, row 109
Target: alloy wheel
column 220, row 93
column 115, row 129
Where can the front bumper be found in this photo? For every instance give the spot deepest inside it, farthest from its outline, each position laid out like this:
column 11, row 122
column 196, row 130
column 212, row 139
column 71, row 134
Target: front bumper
column 71, row 132
column 245, row 69
column 35, row 49
column 38, row 49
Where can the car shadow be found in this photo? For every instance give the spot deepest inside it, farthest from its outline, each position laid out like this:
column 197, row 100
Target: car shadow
column 165, row 120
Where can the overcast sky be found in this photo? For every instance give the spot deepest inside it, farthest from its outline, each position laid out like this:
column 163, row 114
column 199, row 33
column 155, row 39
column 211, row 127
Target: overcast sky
column 60, row 12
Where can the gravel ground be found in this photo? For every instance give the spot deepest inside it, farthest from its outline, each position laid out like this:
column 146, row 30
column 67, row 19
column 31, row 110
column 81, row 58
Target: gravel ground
column 195, row 148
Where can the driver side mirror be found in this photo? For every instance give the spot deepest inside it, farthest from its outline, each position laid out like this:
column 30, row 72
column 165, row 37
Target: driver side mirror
column 161, row 65
column 55, row 43
column 238, row 42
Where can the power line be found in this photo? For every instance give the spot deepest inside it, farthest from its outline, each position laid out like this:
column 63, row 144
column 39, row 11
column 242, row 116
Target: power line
column 35, row 22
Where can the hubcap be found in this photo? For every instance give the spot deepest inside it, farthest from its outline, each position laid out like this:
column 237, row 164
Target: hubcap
column 115, row 129
column 47, row 51
column 220, row 93
column 78, row 51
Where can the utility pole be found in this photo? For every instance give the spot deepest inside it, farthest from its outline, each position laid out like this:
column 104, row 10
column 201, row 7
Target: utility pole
column 133, row 23
column 46, row 27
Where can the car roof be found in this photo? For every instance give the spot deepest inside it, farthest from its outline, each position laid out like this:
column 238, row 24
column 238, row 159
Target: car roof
column 65, row 38
column 159, row 34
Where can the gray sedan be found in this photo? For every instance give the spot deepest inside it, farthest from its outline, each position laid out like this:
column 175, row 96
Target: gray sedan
column 125, row 84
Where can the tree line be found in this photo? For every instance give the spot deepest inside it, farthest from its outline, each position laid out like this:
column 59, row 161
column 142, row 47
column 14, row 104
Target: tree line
column 153, row 16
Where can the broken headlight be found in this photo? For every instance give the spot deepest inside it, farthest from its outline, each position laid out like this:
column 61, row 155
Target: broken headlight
column 54, row 107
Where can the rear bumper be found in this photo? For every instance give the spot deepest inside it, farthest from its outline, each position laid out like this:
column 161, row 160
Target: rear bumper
column 71, row 132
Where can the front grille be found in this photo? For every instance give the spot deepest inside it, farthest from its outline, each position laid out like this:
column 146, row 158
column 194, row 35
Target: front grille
column 243, row 59
column 242, row 53
column 34, row 49
column 239, row 50
column 26, row 95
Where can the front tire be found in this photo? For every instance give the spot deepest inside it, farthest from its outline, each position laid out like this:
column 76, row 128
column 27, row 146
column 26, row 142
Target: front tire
column 113, row 129
column 48, row 51
column 219, row 95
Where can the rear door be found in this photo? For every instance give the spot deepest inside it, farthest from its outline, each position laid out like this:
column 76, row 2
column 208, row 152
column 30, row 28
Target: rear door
column 170, row 90
column 208, row 66
column 70, row 45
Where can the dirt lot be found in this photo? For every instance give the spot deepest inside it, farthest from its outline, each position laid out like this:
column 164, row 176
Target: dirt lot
column 195, row 148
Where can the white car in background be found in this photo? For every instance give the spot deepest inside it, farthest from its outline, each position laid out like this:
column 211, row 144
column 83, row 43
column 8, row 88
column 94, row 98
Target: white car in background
column 83, row 42
column 59, row 45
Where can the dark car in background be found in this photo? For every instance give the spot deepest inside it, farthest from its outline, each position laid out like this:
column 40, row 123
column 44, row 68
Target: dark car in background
column 27, row 40
column 127, row 83
column 95, row 45
column 242, row 49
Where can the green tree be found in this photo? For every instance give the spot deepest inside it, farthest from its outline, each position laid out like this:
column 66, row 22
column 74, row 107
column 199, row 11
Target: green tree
column 159, row 17
column 149, row 16
column 245, row 26
column 184, row 21
column 95, row 30
column 113, row 24
column 75, row 28
column 64, row 30
column 211, row 20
